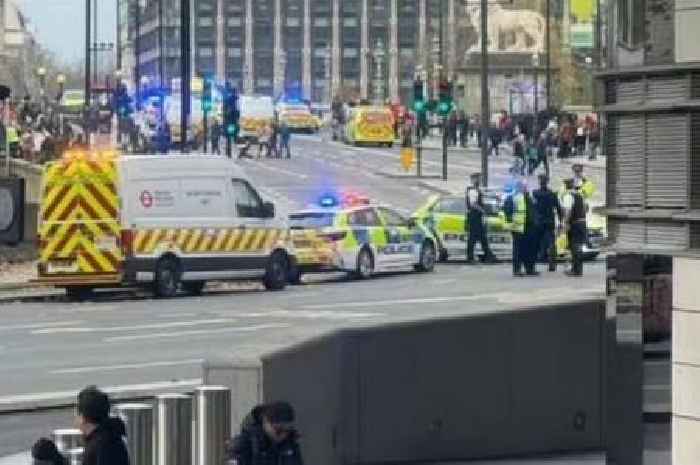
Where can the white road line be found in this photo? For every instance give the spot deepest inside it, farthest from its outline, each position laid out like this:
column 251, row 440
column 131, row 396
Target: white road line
column 42, row 325
column 109, row 329
column 131, row 366
column 57, row 395
column 199, row 332
column 312, row 315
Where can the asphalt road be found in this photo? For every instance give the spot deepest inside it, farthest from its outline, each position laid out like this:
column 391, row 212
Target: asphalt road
column 129, row 342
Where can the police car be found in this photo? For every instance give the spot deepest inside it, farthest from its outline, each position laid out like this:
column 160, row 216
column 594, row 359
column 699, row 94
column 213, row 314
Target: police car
column 351, row 234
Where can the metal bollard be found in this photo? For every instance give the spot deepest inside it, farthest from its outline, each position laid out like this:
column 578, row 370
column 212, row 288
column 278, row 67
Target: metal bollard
column 212, row 424
column 173, row 429
column 139, row 431
column 74, row 456
column 67, row 439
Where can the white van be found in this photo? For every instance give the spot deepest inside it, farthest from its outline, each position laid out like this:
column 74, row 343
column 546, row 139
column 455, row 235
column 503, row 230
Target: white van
column 171, row 222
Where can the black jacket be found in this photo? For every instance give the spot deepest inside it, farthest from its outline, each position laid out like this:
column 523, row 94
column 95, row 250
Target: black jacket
column 547, row 204
column 105, row 445
column 253, row 447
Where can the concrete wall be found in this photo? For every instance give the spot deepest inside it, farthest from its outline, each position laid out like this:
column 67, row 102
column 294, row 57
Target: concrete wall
column 485, row 385
column 32, row 176
column 686, row 361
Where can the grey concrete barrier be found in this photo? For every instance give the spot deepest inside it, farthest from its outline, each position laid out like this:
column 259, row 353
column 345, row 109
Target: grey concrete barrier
column 31, row 173
column 501, row 384
column 243, row 378
column 74, row 456
column 212, row 406
column 174, row 429
column 67, row 439
column 138, row 418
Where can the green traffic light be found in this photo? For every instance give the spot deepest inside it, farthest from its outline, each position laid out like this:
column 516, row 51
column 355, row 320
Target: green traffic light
column 444, row 107
column 231, row 129
column 419, row 105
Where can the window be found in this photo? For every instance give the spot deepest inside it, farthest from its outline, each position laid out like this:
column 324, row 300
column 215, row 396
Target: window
column 630, row 22
column 311, row 220
column 366, row 217
column 248, row 203
column 206, row 52
column 234, row 22
column 451, row 206
column 206, row 21
column 392, row 218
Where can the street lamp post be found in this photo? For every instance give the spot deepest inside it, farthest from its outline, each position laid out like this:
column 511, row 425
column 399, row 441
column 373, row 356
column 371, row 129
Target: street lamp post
column 436, row 51
column 41, row 73
column 536, row 91
column 379, row 72
column 327, row 74
column 61, row 81
column 283, row 72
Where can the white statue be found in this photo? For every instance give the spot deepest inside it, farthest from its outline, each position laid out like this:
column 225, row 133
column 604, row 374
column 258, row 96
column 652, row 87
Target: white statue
column 525, row 28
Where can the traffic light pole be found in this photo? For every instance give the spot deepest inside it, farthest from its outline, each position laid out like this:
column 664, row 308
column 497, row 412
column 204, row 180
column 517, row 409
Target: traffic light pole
column 485, row 116
column 205, row 128
column 185, row 70
column 419, row 149
column 444, row 148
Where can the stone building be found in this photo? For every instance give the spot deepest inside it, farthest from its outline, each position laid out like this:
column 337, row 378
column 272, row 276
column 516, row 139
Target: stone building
column 18, row 51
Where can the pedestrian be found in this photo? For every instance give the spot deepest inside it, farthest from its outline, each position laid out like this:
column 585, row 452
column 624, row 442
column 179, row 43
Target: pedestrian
column 520, row 217
column 103, row 435
column 588, row 189
column 13, row 140
column 267, row 437
column 285, row 136
column 463, row 126
column 263, row 139
column 576, row 209
column 476, row 225
column 273, row 132
column 216, row 133
column 452, row 125
column 548, row 212
column 45, row 452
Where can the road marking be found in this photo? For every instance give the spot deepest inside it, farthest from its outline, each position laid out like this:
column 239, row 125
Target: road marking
column 313, row 315
column 199, row 332
column 132, row 366
column 57, row 324
column 70, row 394
column 108, row 329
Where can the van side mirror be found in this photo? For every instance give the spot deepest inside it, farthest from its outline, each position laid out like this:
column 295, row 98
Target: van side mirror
column 268, row 210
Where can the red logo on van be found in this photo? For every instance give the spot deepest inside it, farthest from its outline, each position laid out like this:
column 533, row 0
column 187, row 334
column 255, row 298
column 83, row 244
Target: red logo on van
column 146, row 199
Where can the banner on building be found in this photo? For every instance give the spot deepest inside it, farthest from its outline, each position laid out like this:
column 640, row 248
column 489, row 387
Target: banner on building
column 582, row 11
column 582, row 35
column 11, row 210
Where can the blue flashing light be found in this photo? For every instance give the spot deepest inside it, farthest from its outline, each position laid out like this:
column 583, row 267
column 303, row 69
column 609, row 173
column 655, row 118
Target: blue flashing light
column 328, row 201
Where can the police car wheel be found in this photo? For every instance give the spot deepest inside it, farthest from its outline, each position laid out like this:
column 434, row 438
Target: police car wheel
column 276, row 274
column 294, row 276
column 167, row 281
column 365, row 264
column 427, row 258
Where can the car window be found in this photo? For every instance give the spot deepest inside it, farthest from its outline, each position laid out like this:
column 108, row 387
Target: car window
column 311, row 220
column 248, row 203
column 451, row 206
column 364, row 217
column 392, row 218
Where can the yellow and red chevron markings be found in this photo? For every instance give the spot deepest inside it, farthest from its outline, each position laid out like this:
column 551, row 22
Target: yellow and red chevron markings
column 208, row 240
column 79, row 210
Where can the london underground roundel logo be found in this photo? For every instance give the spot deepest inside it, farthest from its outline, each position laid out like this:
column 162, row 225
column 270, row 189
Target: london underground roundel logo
column 146, row 199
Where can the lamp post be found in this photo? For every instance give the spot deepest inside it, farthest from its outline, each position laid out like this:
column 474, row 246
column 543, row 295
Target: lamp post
column 378, row 56
column 436, row 51
column 282, row 61
column 61, row 81
column 41, row 73
column 327, row 74
column 536, row 93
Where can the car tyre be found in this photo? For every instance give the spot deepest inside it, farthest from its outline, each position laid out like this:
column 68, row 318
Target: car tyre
column 295, row 275
column 365, row 264
column 444, row 256
column 194, row 287
column 167, row 278
column 79, row 293
column 276, row 273
column 426, row 262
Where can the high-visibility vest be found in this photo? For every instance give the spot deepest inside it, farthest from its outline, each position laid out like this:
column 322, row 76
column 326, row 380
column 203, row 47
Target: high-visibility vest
column 519, row 214
column 12, row 135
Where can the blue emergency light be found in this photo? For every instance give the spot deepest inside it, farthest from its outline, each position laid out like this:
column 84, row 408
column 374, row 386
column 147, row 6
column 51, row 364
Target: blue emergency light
column 328, row 201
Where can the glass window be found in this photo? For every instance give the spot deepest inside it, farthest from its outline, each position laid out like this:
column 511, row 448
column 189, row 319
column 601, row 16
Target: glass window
column 248, row 203
column 452, row 206
column 630, row 17
column 206, row 52
column 321, row 22
column 365, row 217
column 392, row 218
column 311, row 220
column 234, row 21
column 206, row 21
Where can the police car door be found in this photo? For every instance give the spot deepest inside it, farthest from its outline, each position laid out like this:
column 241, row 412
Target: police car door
column 400, row 245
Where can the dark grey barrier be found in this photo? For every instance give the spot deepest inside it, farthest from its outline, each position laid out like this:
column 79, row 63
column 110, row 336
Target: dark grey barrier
column 486, row 385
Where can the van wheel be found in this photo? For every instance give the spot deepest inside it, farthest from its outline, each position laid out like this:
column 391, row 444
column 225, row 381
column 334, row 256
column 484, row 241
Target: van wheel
column 276, row 274
column 167, row 281
column 427, row 258
column 78, row 293
column 365, row 264
column 444, row 256
column 194, row 287
column 390, row 144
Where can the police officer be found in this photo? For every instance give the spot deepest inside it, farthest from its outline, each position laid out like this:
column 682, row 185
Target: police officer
column 576, row 209
column 475, row 221
column 520, row 215
column 547, row 205
column 588, row 189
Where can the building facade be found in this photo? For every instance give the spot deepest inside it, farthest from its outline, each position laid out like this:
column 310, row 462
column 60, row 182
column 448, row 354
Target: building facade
column 651, row 103
column 18, row 52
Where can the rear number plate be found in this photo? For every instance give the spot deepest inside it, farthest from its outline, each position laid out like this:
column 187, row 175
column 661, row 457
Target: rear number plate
column 63, row 266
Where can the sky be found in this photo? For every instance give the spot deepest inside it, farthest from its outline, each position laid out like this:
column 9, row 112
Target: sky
column 60, row 25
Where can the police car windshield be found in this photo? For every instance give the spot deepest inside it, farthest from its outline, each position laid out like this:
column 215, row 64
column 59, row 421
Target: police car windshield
column 311, row 220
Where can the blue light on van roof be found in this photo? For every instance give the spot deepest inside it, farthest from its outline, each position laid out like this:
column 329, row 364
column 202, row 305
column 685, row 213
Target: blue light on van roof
column 328, row 201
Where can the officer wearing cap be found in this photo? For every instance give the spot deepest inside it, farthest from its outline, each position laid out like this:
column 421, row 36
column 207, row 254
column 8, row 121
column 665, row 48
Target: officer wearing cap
column 267, row 437
column 574, row 204
column 475, row 221
column 588, row 189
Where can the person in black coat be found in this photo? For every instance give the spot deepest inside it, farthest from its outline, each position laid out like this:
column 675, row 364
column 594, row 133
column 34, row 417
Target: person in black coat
column 267, row 437
column 45, row 452
column 103, row 435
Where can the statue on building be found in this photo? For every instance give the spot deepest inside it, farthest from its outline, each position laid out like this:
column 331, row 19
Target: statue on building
column 508, row 30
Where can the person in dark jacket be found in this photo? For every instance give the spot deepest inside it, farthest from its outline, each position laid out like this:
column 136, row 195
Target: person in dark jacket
column 548, row 211
column 45, row 452
column 267, row 437
column 103, row 435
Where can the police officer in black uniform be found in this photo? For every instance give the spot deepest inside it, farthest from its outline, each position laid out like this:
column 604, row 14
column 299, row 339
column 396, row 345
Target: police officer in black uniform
column 577, row 234
column 475, row 221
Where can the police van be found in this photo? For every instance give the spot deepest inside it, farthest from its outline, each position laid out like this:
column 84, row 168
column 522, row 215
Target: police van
column 167, row 222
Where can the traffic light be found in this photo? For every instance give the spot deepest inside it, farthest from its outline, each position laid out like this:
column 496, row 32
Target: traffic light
column 418, row 97
column 207, row 105
column 444, row 106
column 231, row 112
column 122, row 101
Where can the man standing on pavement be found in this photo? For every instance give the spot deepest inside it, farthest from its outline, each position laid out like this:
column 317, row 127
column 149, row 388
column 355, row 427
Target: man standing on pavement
column 103, row 435
column 267, row 437
column 475, row 221
column 576, row 209
column 285, row 136
column 547, row 205
column 520, row 215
